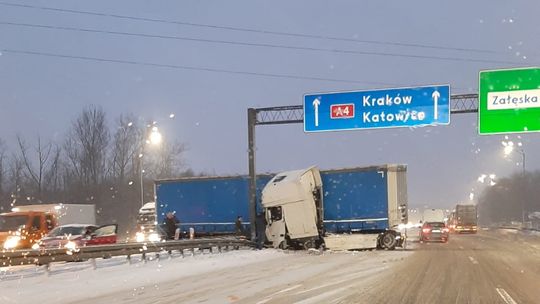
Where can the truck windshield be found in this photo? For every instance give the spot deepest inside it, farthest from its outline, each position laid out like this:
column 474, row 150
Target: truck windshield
column 144, row 219
column 12, row 222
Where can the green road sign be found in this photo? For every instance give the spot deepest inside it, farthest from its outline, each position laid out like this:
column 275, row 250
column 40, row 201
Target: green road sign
column 509, row 101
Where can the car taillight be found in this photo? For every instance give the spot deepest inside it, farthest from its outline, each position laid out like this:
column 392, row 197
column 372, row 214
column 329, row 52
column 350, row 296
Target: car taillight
column 426, row 230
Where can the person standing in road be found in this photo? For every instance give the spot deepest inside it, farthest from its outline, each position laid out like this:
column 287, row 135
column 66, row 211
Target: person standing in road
column 260, row 224
column 239, row 227
column 171, row 226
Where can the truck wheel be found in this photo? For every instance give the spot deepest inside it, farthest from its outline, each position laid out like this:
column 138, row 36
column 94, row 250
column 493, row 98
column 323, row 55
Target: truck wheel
column 388, row 241
column 309, row 244
column 283, row 245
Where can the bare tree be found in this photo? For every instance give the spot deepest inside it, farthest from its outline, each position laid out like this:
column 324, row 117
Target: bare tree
column 16, row 177
column 3, row 152
column 86, row 146
column 165, row 161
column 126, row 143
column 53, row 174
column 35, row 173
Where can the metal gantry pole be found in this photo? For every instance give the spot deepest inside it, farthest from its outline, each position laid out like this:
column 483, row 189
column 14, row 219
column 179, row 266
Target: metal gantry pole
column 252, row 119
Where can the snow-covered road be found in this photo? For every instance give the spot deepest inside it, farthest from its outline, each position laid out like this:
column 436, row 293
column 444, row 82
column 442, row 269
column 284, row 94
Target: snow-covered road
column 245, row 276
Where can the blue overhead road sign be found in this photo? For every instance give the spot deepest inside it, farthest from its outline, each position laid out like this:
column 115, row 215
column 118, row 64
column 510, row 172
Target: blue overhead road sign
column 386, row 108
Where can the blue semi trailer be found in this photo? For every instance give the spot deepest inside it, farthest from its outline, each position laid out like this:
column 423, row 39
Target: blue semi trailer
column 209, row 205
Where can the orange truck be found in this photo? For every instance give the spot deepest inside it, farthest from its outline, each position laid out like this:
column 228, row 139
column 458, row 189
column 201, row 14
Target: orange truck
column 26, row 225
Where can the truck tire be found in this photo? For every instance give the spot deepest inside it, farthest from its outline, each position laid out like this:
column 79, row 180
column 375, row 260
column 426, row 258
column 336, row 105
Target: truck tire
column 309, row 244
column 388, row 240
column 283, row 245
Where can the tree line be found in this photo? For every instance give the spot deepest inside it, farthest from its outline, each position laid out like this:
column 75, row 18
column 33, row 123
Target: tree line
column 505, row 201
column 95, row 163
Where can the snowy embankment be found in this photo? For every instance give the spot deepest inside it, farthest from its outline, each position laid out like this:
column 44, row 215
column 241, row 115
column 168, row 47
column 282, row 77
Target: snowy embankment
column 244, row 276
column 68, row 282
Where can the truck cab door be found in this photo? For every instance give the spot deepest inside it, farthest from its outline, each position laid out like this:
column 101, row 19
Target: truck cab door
column 50, row 222
column 36, row 231
column 275, row 228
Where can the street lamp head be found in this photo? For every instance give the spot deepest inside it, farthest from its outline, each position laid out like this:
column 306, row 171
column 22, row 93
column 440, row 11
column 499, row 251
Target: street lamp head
column 155, row 137
column 508, row 149
column 482, row 178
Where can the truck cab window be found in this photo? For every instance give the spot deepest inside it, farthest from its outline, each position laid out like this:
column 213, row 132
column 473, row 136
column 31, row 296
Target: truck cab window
column 49, row 222
column 279, row 178
column 275, row 214
column 36, row 223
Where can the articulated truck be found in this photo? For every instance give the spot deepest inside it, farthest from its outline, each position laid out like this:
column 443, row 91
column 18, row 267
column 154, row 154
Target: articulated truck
column 353, row 208
column 344, row 209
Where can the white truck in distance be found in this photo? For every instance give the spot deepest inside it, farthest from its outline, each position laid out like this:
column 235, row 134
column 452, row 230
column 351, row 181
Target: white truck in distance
column 147, row 225
column 434, row 215
column 64, row 213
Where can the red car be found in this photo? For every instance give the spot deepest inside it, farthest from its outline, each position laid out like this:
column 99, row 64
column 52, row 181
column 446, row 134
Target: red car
column 434, row 231
column 75, row 236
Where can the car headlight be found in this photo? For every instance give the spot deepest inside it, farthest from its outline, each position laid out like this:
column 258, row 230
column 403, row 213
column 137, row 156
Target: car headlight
column 154, row 237
column 139, row 237
column 71, row 246
column 35, row 246
column 12, row 242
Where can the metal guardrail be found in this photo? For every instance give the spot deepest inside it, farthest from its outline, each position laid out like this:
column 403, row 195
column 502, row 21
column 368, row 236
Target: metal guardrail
column 47, row 256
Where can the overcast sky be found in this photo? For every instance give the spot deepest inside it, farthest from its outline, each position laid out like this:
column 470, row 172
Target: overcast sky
column 43, row 94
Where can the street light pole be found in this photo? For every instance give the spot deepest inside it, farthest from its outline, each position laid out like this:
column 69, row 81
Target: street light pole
column 508, row 149
column 152, row 137
column 524, row 185
column 523, row 161
column 142, row 180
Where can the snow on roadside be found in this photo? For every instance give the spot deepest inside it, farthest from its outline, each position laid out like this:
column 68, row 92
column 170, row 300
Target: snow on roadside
column 70, row 282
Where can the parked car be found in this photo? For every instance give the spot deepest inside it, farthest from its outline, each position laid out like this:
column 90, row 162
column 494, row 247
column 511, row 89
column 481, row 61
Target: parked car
column 76, row 235
column 434, row 232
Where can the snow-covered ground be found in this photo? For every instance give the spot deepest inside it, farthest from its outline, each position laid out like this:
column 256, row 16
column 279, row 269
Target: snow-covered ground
column 67, row 282
column 245, row 276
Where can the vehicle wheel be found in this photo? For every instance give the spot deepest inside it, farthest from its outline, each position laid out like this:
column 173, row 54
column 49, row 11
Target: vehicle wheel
column 388, row 241
column 283, row 245
column 309, row 244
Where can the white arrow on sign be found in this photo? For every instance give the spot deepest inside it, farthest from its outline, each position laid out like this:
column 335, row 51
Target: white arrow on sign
column 316, row 104
column 436, row 95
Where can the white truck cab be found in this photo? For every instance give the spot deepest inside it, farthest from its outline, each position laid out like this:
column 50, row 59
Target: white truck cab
column 293, row 208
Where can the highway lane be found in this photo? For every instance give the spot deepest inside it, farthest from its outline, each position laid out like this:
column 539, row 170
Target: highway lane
column 295, row 277
column 490, row 267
